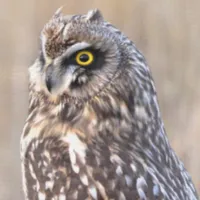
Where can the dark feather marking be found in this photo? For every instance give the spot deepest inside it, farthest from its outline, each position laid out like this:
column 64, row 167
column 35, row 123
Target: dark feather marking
column 127, row 151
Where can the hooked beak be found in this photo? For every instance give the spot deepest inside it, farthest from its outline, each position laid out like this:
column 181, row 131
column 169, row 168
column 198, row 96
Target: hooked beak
column 49, row 80
column 59, row 79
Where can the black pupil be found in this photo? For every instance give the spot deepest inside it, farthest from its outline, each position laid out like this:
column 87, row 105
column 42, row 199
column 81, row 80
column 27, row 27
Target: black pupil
column 84, row 58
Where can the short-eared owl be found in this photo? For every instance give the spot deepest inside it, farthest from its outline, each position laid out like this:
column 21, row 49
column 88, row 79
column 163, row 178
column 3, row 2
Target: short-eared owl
column 94, row 129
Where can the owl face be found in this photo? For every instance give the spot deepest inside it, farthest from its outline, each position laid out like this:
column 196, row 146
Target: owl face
column 80, row 56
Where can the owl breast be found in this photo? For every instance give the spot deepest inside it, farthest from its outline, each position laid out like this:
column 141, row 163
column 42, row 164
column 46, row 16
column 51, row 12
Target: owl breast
column 94, row 130
column 89, row 155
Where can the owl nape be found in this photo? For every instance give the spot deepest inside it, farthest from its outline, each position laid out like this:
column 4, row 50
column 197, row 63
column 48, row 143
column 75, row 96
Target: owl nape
column 94, row 129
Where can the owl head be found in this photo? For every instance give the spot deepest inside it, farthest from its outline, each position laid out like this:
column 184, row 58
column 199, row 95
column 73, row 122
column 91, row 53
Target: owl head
column 80, row 56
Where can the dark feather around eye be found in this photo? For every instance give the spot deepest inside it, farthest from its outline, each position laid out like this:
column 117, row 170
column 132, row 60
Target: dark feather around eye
column 99, row 59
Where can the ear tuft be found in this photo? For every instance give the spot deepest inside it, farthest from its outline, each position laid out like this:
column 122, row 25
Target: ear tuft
column 58, row 12
column 94, row 15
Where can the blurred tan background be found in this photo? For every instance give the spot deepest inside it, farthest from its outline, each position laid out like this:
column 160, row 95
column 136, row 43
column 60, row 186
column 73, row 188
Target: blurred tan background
column 167, row 32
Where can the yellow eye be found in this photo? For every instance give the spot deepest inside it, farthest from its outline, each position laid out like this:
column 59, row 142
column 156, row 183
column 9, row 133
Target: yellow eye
column 84, row 58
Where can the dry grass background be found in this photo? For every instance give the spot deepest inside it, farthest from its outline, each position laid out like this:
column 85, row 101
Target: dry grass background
column 167, row 32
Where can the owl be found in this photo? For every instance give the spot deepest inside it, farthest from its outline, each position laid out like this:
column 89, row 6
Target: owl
column 94, row 130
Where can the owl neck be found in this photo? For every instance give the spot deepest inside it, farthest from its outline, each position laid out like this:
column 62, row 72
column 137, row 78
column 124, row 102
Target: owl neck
column 125, row 113
column 127, row 105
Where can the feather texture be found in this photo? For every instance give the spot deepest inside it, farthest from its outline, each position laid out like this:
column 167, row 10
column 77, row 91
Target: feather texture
column 101, row 138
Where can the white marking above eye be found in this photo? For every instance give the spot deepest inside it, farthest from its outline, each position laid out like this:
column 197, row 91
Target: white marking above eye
column 71, row 50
